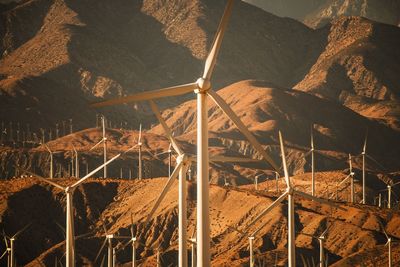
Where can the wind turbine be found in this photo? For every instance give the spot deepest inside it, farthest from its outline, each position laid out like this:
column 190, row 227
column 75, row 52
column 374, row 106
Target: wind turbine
column 321, row 239
column 69, row 190
column 351, row 177
column 104, row 141
column 389, row 244
column 389, row 189
column 202, row 87
column 289, row 193
column 51, row 160
column 251, row 239
column 312, row 164
column 11, row 249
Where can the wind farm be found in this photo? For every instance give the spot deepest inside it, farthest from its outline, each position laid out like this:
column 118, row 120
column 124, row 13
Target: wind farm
column 270, row 141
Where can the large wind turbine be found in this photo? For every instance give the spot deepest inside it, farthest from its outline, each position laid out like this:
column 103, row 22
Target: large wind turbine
column 69, row 190
column 104, row 142
column 202, row 87
column 289, row 193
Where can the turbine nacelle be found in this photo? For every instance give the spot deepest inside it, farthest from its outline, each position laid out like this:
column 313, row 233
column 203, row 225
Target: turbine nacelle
column 203, row 85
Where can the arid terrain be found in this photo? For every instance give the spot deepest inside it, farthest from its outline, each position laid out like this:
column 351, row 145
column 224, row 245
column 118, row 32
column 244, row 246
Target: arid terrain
column 335, row 77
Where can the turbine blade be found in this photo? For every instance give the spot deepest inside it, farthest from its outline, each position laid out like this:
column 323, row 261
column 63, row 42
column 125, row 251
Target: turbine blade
column 239, row 124
column 48, row 149
column 101, row 249
column 312, row 137
column 167, row 186
column 212, row 56
column 365, row 143
column 94, row 171
column 102, row 261
column 170, row 91
column 284, row 160
column 50, row 182
column 96, row 145
column 320, row 200
column 131, row 229
column 222, row 158
column 22, row 230
column 344, row 180
column 383, row 229
column 140, row 133
column 5, row 252
column 130, row 149
column 308, row 235
column 167, row 130
column 5, row 241
column 265, row 211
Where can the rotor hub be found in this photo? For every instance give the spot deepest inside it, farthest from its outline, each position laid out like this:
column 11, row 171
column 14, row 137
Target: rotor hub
column 203, row 85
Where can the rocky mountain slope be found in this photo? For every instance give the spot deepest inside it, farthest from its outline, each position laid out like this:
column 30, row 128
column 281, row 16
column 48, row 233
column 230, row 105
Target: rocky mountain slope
column 355, row 235
column 318, row 13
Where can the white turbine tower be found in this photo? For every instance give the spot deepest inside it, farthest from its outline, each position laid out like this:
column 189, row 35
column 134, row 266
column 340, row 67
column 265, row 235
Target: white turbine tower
column 69, row 190
column 202, row 87
column 10, row 248
column 389, row 189
column 51, row 161
column 289, row 193
column 312, row 164
column 104, row 142
column 76, row 162
column 140, row 174
column 363, row 153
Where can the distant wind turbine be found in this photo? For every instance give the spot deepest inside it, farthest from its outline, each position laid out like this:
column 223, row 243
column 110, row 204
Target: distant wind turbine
column 69, row 190
column 289, row 193
column 10, row 249
column 51, row 160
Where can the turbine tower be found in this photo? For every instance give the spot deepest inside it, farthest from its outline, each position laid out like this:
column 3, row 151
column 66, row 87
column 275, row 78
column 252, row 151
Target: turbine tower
column 202, row 87
column 289, row 193
column 104, row 142
column 140, row 174
column 363, row 169
column 51, row 160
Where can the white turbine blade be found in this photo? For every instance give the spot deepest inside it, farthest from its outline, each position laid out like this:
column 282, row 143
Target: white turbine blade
column 212, row 56
column 5, row 252
column 344, row 180
column 96, row 145
column 101, row 249
column 167, row 130
column 220, row 158
column 50, row 182
column 48, row 149
column 268, row 209
column 320, row 200
column 312, row 137
column 308, row 153
column 140, row 133
column 365, row 143
column 170, row 91
column 383, row 228
column 22, row 230
column 94, row 171
column 73, row 147
column 239, row 124
column 284, row 160
column 167, row 186
column 5, row 241
column 308, row 235
column 130, row 149
column 395, row 184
